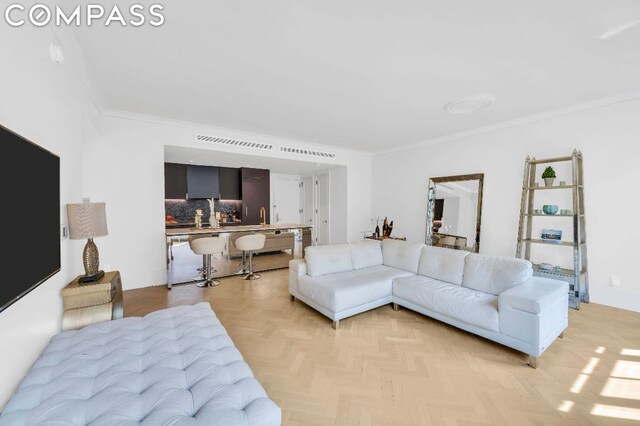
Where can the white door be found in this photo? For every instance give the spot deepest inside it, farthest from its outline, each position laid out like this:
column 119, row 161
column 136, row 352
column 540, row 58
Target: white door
column 307, row 193
column 322, row 210
column 286, row 199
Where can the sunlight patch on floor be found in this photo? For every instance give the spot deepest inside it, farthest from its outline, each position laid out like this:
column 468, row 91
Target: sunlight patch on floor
column 630, row 352
column 581, row 380
column 566, row 406
column 600, row 350
column 621, row 388
column 626, row 370
column 591, row 365
column 626, row 413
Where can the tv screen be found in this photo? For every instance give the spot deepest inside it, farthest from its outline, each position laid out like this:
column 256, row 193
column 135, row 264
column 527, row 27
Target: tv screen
column 30, row 213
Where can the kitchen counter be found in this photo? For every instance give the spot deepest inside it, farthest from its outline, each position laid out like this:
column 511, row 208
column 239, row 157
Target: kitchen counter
column 177, row 232
column 173, row 225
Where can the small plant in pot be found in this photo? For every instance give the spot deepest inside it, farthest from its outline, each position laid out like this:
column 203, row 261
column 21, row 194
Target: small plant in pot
column 549, row 175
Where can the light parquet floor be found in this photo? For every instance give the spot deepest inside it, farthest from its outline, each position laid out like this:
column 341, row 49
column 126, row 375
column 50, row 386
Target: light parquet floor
column 384, row 367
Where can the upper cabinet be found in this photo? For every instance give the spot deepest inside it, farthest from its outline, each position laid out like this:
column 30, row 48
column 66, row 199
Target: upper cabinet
column 175, row 181
column 229, row 183
column 203, row 182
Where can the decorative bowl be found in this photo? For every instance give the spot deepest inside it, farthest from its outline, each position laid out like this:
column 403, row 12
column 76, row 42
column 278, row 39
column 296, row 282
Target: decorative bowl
column 550, row 209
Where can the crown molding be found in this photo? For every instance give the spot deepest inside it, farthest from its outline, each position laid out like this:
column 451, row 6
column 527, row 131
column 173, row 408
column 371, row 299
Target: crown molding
column 548, row 115
column 74, row 57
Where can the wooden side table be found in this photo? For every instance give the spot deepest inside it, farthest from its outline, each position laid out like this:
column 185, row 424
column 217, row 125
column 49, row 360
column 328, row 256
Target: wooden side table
column 89, row 303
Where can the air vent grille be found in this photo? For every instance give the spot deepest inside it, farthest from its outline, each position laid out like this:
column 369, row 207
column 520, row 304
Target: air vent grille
column 307, row 152
column 234, row 142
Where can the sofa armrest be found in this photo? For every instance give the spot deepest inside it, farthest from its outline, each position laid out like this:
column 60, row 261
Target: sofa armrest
column 534, row 295
column 297, row 269
column 535, row 312
column 299, row 266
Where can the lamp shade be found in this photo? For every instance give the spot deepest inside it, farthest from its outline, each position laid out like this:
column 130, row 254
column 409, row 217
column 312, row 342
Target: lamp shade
column 87, row 220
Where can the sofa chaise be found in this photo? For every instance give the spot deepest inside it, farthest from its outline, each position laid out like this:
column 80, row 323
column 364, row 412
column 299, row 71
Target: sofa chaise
column 493, row 297
column 174, row 367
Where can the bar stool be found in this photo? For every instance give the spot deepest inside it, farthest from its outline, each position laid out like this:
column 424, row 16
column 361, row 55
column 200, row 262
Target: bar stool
column 207, row 247
column 204, row 258
column 249, row 244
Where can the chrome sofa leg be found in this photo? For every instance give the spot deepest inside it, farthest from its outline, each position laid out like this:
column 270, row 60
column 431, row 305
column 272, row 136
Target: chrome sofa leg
column 336, row 324
column 534, row 361
column 396, row 307
column 292, row 298
column 561, row 336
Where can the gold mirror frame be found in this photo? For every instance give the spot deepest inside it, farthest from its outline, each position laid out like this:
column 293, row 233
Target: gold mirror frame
column 431, row 202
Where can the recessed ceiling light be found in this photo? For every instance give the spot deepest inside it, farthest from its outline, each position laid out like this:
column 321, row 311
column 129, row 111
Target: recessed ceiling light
column 191, row 161
column 317, row 165
column 470, row 104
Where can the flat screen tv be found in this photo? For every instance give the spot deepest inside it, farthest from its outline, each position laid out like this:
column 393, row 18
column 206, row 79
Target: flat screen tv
column 30, row 213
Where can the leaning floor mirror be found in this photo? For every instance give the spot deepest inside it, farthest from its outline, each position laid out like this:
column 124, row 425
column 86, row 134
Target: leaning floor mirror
column 454, row 209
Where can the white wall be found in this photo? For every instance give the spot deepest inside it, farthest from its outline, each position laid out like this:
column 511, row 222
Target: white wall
column 338, row 206
column 124, row 168
column 609, row 139
column 46, row 103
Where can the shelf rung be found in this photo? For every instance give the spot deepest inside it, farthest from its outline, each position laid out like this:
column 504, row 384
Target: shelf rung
column 550, row 215
column 551, row 160
column 546, row 188
column 561, row 243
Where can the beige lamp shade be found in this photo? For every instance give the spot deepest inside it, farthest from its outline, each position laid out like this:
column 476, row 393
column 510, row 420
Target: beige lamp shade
column 87, row 220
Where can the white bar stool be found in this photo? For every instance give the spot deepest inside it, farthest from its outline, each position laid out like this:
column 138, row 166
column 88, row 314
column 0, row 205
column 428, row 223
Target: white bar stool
column 249, row 244
column 201, row 276
column 207, row 247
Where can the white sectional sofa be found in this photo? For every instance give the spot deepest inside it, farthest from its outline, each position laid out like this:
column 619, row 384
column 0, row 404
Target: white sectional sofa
column 494, row 297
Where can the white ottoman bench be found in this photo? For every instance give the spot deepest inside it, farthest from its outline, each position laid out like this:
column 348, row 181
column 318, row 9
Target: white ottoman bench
column 177, row 366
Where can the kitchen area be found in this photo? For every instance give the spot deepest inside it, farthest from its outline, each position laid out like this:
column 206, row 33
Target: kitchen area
column 230, row 202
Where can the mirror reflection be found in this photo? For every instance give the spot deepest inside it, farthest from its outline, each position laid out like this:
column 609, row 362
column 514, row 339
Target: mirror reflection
column 454, row 211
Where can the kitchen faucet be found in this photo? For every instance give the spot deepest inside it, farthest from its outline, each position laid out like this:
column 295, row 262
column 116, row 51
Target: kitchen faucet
column 263, row 216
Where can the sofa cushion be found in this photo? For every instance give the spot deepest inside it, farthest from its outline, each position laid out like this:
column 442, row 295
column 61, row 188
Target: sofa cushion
column 323, row 260
column 442, row 264
column 494, row 275
column 366, row 255
column 417, row 289
column 470, row 306
column 338, row 292
column 401, row 254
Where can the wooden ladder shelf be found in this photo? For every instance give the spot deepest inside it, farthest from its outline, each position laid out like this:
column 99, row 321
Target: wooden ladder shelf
column 577, row 277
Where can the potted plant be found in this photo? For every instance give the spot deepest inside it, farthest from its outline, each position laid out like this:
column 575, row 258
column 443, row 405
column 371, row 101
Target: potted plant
column 549, row 176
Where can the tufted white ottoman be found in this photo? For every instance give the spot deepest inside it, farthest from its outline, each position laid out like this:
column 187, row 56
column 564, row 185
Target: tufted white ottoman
column 177, row 366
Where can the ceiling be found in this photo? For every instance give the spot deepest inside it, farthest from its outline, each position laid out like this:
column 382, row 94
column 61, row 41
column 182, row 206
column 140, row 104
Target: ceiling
column 365, row 75
column 207, row 157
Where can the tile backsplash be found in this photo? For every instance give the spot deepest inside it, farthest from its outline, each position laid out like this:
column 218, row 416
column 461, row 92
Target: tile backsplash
column 185, row 210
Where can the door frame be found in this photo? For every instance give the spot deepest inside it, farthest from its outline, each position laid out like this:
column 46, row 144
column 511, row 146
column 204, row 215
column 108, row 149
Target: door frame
column 315, row 205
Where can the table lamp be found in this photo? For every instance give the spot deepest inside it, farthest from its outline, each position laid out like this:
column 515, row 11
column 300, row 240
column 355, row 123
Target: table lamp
column 88, row 221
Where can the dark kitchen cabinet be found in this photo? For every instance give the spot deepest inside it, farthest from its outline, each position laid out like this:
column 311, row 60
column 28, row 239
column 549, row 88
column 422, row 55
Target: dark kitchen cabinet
column 229, row 183
column 255, row 195
column 175, row 181
column 202, row 182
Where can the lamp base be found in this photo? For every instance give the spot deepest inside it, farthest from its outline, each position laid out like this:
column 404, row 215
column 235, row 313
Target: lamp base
column 91, row 278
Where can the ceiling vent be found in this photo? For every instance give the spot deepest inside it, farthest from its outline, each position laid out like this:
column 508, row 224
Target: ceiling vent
column 307, row 152
column 234, row 142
